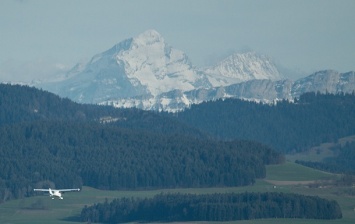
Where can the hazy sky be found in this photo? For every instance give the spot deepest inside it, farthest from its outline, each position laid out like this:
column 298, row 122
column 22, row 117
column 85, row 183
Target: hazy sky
column 40, row 37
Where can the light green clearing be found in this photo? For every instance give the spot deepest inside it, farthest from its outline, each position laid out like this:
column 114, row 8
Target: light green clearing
column 295, row 172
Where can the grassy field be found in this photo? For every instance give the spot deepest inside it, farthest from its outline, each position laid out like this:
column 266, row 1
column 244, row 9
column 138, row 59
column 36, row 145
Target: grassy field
column 288, row 177
column 295, row 172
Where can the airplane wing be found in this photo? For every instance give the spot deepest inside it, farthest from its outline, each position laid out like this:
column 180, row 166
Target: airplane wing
column 41, row 190
column 60, row 190
column 67, row 190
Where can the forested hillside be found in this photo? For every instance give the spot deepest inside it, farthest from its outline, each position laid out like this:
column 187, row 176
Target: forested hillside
column 285, row 126
column 51, row 142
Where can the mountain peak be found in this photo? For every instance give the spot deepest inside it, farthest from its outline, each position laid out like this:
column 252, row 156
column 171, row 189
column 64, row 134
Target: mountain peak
column 148, row 37
column 249, row 55
column 157, row 66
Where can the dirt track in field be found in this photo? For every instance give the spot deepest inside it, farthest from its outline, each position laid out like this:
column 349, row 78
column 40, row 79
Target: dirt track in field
column 280, row 183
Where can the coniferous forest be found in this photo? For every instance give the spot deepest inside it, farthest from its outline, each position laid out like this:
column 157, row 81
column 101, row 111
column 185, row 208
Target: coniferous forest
column 48, row 141
column 213, row 207
column 107, row 157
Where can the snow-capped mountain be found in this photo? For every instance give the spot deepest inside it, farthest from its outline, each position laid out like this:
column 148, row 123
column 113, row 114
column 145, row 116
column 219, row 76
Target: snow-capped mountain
column 241, row 67
column 146, row 73
column 144, row 66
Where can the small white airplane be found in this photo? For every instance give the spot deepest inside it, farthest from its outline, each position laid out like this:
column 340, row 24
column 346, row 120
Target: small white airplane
column 56, row 192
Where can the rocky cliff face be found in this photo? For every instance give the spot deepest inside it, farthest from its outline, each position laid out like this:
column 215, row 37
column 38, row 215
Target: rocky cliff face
column 327, row 81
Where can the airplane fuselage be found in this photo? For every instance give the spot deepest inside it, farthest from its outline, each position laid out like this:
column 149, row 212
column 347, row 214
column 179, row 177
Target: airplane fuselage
column 55, row 193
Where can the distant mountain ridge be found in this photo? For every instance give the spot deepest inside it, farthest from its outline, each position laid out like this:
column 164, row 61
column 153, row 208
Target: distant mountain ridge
column 241, row 67
column 146, row 73
column 264, row 90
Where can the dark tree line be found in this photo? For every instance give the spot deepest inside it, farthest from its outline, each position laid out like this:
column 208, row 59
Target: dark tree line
column 212, row 207
column 287, row 126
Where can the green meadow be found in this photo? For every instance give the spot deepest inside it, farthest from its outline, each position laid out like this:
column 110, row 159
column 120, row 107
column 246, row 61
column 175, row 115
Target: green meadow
column 288, row 177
